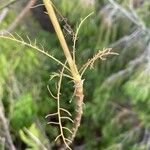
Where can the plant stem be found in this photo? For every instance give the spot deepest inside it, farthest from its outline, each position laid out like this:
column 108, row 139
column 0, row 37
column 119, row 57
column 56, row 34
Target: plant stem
column 74, row 71
column 54, row 20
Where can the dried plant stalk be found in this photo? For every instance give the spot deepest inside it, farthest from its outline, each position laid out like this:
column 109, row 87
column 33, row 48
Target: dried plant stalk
column 76, row 75
column 54, row 20
column 79, row 107
column 74, row 71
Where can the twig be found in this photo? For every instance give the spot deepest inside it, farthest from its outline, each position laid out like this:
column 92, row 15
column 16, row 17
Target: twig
column 22, row 41
column 76, row 34
column 19, row 17
column 54, row 20
column 35, row 139
column 74, row 71
column 2, row 143
column 100, row 55
column 58, row 110
column 7, row 4
column 3, row 14
column 5, row 129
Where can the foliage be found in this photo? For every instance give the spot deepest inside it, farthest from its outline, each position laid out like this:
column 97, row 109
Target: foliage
column 24, row 112
column 138, row 90
column 33, row 137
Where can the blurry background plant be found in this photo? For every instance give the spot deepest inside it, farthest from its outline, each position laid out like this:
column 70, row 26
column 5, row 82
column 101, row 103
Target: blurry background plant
column 116, row 111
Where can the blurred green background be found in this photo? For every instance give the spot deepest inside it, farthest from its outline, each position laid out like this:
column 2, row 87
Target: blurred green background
column 117, row 91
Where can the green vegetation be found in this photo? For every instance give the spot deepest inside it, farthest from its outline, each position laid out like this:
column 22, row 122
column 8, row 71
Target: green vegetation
column 117, row 90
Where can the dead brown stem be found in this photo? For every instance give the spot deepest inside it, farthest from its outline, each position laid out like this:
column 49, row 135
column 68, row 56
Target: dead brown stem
column 79, row 107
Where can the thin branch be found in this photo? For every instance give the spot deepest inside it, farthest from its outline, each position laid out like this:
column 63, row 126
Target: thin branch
column 58, row 74
column 5, row 128
column 35, row 139
column 67, row 27
column 39, row 5
column 100, row 55
column 76, row 35
column 2, row 143
column 67, row 129
column 69, row 141
column 3, row 14
column 11, row 37
column 51, row 122
column 64, row 110
column 7, row 4
column 49, row 115
column 20, row 17
column 58, row 110
column 67, row 118
column 57, row 137
column 54, row 20
column 51, row 92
